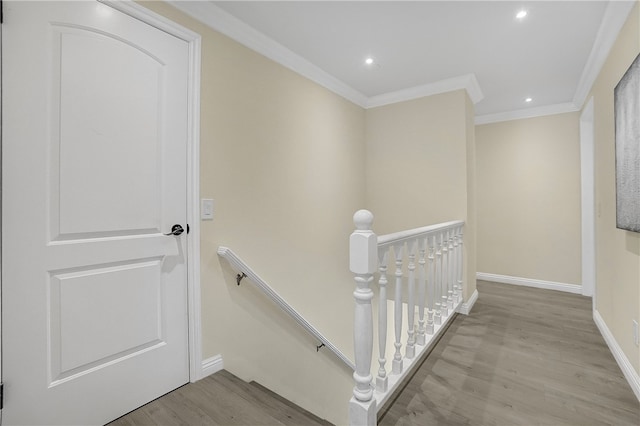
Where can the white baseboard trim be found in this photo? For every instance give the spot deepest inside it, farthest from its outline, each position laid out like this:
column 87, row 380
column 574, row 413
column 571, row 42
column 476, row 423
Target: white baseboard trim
column 212, row 365
column 528, row 282
column 627, row 369
column 465, row 308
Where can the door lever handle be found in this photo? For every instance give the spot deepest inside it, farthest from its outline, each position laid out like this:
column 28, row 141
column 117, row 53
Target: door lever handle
column 176, row 230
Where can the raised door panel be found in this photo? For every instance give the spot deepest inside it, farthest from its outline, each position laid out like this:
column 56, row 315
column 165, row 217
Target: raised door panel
column 101, row 315
column 107, row 135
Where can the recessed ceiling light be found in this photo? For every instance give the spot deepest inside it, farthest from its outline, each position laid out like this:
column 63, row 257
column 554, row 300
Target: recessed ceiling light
column 368, row 61
column 528, row 100
column 521, row 14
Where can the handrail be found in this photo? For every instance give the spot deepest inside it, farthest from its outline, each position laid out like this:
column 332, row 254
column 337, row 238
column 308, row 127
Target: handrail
column 404, row 236
column 261, row 284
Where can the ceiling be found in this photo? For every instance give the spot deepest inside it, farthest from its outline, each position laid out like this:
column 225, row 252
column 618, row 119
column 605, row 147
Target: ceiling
column 423, row 47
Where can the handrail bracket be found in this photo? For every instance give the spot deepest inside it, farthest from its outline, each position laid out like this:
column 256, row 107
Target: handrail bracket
column 240, row 277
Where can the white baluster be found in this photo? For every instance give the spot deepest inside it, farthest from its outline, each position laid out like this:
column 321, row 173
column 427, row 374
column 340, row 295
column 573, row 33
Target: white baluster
column 431, row 288
column 410, row 351
column 396, row 367
column 422, row 285
column 444, row 275
column 460, row 260
column 450, row 272
column 437, row 319
column 382, row 381
column 363, row 245
column 456, row 260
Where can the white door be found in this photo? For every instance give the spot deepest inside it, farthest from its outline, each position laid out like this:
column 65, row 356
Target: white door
column 94, row 120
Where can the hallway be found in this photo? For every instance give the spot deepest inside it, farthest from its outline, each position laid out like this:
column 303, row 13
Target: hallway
column 524, row 356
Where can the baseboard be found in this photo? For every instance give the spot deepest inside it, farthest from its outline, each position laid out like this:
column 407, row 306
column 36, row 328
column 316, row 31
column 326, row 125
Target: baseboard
column 627, row 369
column 465, row 308
column 528, row 282
column 211, row 365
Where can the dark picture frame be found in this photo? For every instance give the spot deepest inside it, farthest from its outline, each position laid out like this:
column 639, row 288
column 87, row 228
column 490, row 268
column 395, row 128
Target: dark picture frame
column 627, row 148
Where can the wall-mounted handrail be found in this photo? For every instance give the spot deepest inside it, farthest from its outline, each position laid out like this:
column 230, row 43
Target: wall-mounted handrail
column 240, row 266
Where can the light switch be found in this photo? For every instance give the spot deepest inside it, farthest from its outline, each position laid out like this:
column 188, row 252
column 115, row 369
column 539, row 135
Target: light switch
column 206, row 209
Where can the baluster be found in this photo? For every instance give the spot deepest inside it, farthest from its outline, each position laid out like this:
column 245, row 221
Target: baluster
column 456, row 260
column 363, row 245
column 450, row 276
column 422, row 276
column 445, row 271
column 437, row 319
column 397, row 357
column 460, row 260
column 431, row 287
column 410, row 351
column 382, row 379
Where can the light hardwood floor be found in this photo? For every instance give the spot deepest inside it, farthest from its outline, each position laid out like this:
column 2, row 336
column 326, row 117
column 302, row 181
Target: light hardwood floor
column 523, row 357
column 220, row 399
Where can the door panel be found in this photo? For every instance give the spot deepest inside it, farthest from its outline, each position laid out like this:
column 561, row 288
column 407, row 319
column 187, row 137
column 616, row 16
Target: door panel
column 104, row 136
column 94, row 172
column 92, row 324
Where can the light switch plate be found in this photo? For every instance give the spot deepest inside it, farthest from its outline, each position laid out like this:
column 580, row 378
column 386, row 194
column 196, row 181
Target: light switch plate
column 206, row 209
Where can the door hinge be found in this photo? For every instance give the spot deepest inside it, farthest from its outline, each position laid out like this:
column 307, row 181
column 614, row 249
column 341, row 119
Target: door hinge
column 1, row 395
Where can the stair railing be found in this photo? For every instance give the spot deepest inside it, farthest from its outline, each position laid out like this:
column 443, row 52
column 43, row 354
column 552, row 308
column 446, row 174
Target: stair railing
column 245, row 271
column 439, row 285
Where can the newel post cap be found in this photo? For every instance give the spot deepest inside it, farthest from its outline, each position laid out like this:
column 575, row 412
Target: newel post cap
column 363, row 219
column 363, row 244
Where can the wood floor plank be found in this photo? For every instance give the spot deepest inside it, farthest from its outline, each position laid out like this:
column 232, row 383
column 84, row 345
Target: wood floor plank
column 523, row 357
column 220, row 399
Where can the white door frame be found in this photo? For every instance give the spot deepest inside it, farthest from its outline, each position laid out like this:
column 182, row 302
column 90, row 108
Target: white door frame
column 587, row 179
column 193, row 174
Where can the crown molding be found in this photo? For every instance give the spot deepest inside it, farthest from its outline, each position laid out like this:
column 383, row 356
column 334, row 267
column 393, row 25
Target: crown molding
column 526, row 113
column 467, row 82
column 225, row 23
column 613, row 20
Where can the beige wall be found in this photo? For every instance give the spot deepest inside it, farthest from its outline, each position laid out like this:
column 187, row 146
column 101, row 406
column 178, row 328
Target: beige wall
column 420, row 166
column 284, row 160
column 529, row 211
column 288, row 163
column 617, row 251
column 416, row 153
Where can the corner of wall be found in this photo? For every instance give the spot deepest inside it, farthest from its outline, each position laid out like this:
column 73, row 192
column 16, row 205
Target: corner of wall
column 623, row 362
column 471, row 219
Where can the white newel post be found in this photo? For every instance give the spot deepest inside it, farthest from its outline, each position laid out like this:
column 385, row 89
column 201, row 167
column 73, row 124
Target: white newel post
column 363, row 252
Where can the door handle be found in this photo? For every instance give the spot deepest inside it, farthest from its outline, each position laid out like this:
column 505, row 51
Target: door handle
column 176, row 230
